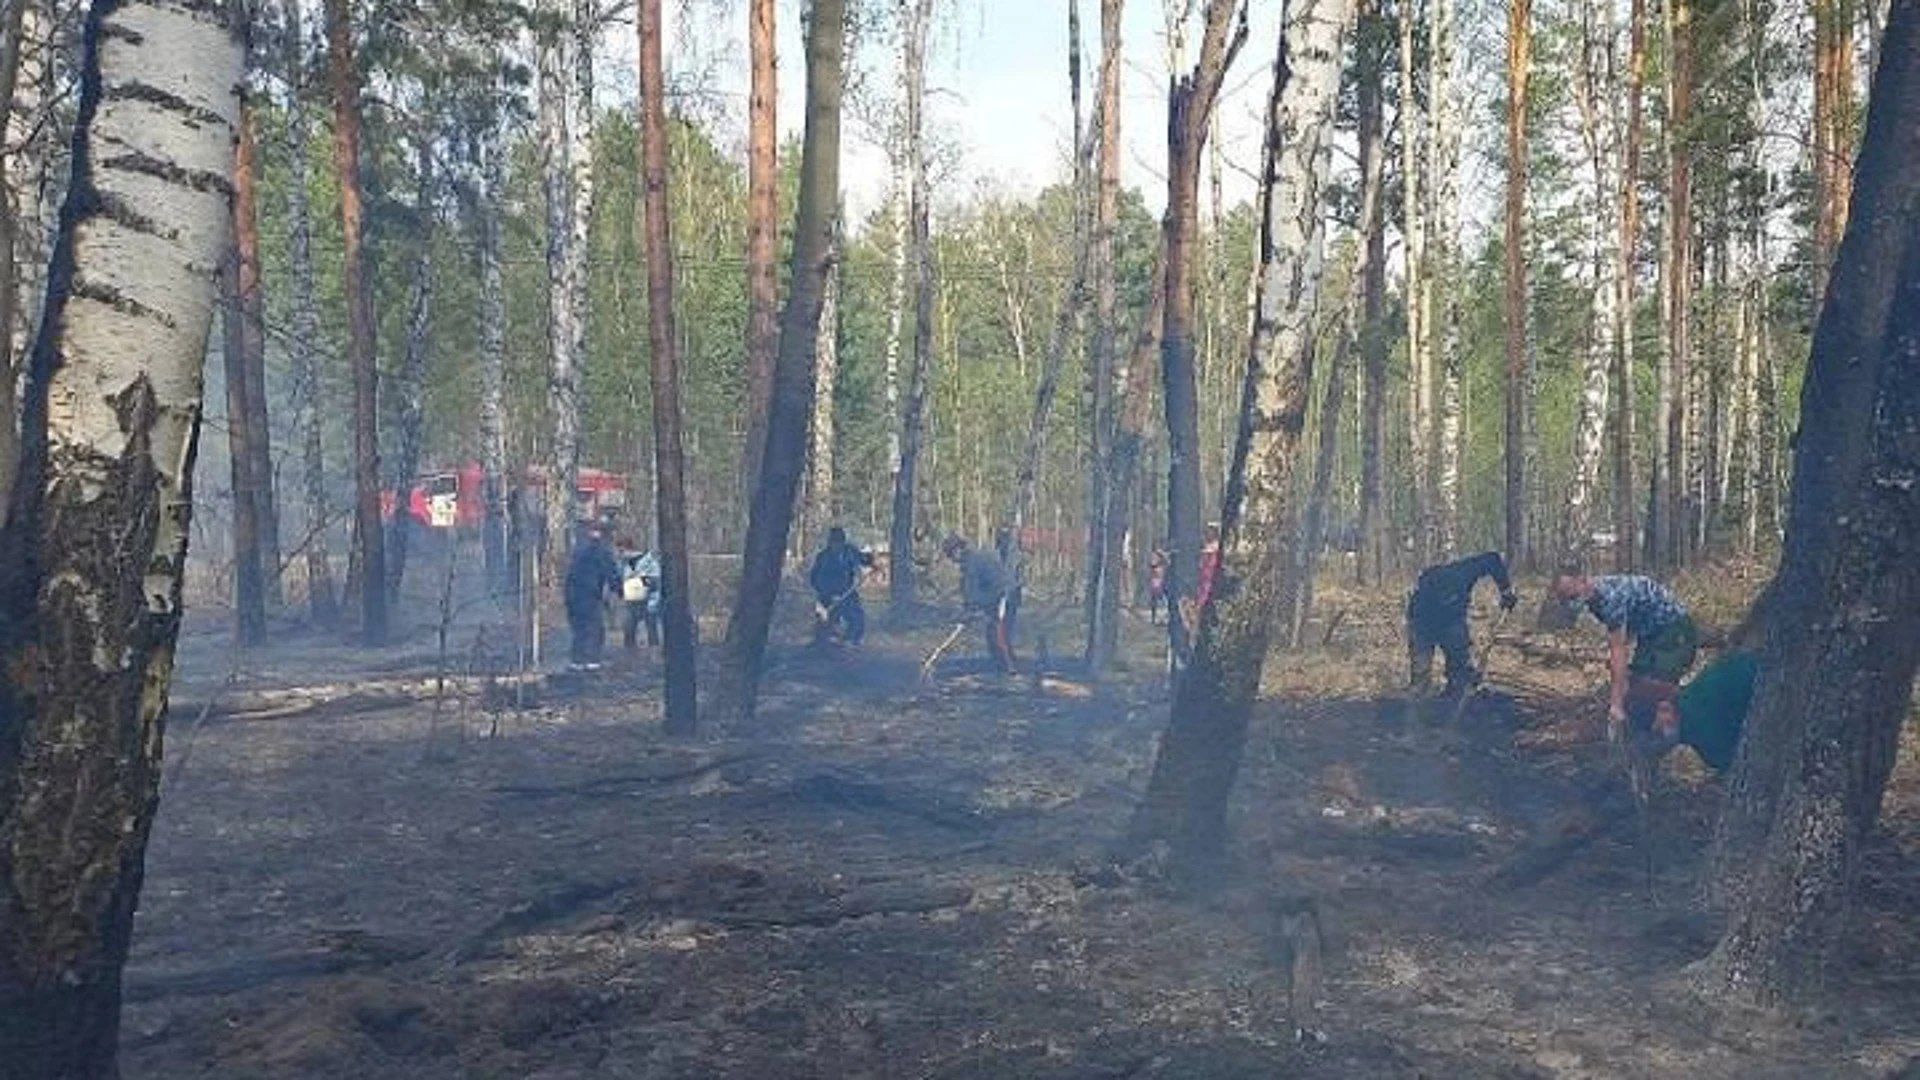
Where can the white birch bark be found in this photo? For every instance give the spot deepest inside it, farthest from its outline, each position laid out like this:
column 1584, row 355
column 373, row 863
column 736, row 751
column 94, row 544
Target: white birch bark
column 1445, row 258
column 563, row 380
column 586, row 23
column 826, row 372
column 1595, row 85
column 1413, row 290
column 493, row 355
column 896, row 309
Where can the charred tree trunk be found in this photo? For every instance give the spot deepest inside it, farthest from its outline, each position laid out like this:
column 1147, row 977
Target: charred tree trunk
column 1102, row 576
column 369, row 538
column 1193, row 774
column 1843, row 642
column 249, row 604
column 93, row 553
column 793, row 375
column 763, row 300
column 1190, row 104
column 670, row 514
column 1027, row 479
column 253, row 344
column 413, row 377
column 900, row 569
column 1518, row 31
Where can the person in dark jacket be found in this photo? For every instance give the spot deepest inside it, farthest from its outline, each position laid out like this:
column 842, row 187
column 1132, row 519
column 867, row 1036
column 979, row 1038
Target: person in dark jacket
column 983, row 592
column 835, row 578
column 1437, row 618
column 592, row 573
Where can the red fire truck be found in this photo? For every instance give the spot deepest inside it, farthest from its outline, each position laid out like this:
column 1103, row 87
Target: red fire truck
column 452, row 498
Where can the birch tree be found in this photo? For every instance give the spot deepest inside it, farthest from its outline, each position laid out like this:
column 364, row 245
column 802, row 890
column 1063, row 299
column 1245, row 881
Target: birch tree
column 1626, row 493
column 1191, row 99
column 95, row 547
column 413, row 369
column 1444, row 268
column 918, row 17
column 826, row 374
column 1420, row 434
column 1593, row 90
column 1371, row 122
column 493, row 359
column 1193, row 774
column 12, row 48
column 557, row 92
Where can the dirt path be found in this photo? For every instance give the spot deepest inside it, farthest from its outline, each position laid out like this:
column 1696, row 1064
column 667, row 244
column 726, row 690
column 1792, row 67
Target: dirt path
column 881, row 879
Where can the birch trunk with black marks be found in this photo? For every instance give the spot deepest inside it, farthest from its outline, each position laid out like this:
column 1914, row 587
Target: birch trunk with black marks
column 556, row 92
column 12, row 46
column 670, row 486
column 1444, row 269
column 1593, row 91
column 369, row 538
column 1190, row 105
column 92, row 556
column 1199, row 757
column 413, row 376
column 1842, row 643
column 493, row 367
column 793, row 375
column 1375, row 521
column 901, row 584
column 826, row 374
column 1413, row 294
column 1071, row 306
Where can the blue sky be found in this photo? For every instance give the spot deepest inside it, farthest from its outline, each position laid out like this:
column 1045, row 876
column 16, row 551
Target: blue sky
column 998, row 100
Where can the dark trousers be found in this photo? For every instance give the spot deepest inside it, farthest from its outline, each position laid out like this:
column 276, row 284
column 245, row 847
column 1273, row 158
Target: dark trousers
column 846, row 616
column 637, row 613
column 999, row 638
column 1427, row 631
column 589, row 632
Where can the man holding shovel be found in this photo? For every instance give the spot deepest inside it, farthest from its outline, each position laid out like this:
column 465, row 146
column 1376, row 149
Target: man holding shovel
column 983, row 593
column 1437, row 619
column 835, row 578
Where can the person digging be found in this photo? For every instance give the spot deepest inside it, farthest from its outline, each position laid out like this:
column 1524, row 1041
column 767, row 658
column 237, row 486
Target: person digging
column 983, row 595
column 835, row 579
column 1639, row 611
column 1437, row 619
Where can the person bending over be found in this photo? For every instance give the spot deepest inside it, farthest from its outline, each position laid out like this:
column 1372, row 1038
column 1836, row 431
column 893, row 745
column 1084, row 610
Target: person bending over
column 1640, row 611
column 1437, row 618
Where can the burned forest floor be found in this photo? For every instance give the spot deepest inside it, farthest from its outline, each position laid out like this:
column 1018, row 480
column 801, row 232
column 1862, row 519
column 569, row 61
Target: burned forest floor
column 404, row 864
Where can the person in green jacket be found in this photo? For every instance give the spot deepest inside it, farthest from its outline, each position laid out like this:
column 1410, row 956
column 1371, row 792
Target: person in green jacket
column 1707, row 714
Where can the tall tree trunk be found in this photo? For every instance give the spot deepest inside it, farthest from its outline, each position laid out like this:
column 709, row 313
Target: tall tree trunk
column 1027, row 478
column 793, row 375
column 1189, row 107
column 244, row 353
column 670, row 514
column 493, row 365
column 253, row 341
column 826, row 374
column 12, row 205
column 413, row 376
column 1832, row 145
column 368, row 535
column 1843, row 641
column 249, row 605
column 1413, row 292
column 1297, row 587
column 93, row 553
column 1519, row 29
column 1444, row 269
column 1626, row 494
column 563, row 378
column 1375, row 522
column 1193, row 774
column 1102, row 602
column 1593, row 91
column 322, row 605
column 580, row 133
column 1672, row 470
column 900, row 580
column 763, row 312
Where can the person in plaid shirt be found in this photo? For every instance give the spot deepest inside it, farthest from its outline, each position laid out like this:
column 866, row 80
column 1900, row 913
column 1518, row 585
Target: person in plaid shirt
column 1641, row 610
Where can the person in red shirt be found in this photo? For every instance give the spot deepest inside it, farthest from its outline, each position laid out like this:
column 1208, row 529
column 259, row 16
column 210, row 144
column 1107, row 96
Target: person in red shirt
column 1209, row 564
